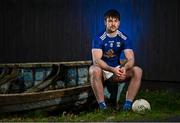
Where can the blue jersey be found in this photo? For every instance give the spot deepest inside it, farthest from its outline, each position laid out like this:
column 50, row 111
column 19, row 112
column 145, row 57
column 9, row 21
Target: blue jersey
column 111, row 47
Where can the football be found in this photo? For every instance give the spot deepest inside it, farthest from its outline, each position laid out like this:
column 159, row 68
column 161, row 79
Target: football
column 141, row 106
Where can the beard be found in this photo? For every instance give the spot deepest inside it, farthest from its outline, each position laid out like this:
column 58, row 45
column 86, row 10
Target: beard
column 112, row 29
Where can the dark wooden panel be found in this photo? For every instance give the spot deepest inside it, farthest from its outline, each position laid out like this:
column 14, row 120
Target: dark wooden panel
column 164, row 42
column 62, row 30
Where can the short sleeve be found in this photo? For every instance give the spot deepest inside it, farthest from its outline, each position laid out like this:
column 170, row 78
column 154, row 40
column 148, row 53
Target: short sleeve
column 97, row 43
column 127, row 44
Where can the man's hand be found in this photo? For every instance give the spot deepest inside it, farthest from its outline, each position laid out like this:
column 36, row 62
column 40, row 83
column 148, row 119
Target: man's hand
column 119, row 74
column 122, row 73
column 117, row 71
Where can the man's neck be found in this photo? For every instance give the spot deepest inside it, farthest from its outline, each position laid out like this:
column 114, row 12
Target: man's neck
column 113, row 34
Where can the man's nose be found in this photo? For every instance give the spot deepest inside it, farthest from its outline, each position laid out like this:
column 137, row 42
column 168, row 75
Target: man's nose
column 113, row 23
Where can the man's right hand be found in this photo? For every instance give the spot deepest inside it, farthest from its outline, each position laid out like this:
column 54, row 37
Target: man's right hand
column 119, row 74
column 117, row 71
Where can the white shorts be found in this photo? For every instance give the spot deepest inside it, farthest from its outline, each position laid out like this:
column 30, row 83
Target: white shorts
column 108, row 74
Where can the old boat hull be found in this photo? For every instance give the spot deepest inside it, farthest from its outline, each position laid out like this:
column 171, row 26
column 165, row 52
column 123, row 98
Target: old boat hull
column 42, row 96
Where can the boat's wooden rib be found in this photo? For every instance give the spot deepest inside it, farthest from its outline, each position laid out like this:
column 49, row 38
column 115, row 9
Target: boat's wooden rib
column 10, row 77
column 4, row 72
column 47, row 81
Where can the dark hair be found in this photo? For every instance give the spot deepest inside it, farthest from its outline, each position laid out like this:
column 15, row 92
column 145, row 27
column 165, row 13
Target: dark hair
column 112, row 13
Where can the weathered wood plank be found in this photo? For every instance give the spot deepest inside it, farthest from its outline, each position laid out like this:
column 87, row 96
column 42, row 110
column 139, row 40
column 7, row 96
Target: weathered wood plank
column 58, row 101
column 9, row 99
column 45, row 64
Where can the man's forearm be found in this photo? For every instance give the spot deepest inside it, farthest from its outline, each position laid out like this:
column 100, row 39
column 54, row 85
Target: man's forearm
column 129, row 64
column 103, row 65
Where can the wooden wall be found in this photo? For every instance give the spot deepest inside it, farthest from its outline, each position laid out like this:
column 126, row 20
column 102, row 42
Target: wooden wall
column 62, row 30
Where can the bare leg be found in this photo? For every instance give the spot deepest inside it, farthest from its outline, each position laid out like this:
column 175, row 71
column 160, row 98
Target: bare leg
column 96, row 82
column 136, row 74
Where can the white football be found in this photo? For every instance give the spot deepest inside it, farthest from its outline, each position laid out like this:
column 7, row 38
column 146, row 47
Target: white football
column 141, row 105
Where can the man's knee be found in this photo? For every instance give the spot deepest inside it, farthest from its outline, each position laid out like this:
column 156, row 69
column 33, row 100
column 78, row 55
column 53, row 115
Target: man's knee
column 137, row 72
column 95, row 71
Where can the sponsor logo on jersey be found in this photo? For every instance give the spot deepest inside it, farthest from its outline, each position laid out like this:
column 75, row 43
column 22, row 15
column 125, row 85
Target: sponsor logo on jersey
column 109, row 54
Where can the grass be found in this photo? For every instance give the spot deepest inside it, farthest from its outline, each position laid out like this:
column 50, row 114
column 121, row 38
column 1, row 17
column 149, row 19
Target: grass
column 165, row 106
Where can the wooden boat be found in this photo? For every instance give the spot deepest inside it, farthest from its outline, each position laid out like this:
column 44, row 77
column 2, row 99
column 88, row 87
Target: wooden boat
column 26, row 86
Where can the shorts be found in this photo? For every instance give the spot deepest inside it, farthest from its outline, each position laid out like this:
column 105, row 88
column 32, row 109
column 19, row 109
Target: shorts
column 107, row 74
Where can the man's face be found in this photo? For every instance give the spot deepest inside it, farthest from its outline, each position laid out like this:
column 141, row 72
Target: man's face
column 112, row 24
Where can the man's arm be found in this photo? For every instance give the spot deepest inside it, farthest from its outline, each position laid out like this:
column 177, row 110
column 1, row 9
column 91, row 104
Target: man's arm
column 97, row 55
column 130, row 58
